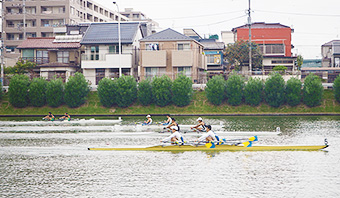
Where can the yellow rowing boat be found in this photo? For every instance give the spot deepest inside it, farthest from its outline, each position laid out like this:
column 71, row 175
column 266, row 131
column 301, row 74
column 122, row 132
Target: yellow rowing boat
column 217, row 148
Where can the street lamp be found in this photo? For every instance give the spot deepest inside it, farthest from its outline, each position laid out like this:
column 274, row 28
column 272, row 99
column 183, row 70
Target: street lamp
column 119, row 41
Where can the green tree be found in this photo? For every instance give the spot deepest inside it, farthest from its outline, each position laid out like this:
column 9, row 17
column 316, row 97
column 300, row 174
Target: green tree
column 161, row 90
column 1, row 92
column 235, row 85
column 18, row 90
column 238, row 54
column 37, row 92
column 336, row 88
column 182, row 91
column 126, row 92
column 253, row 91
column 299, row 61
column 55, row 92
column 215, row 90
column 76, row 90
column 275, row 90
column 280, row 68
column 107, row 92
column 312, row 90
column 145, row 92
column 293, row 91
column 21, row 67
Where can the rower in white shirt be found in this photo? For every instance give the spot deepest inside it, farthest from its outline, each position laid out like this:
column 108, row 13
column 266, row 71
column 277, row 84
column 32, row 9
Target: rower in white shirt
column 168, row 121
column 149, row 120
column 209, row 136
column 200, row 126
column 175, row 136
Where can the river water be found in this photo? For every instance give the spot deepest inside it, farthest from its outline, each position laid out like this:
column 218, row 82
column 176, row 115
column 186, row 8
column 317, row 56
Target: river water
column 58, row 164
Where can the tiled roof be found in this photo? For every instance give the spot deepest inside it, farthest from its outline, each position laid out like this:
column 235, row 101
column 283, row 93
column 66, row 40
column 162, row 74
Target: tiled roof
column 260, row 25
column 167, row 35
column 46, row 43
column 107, row 33
column 211, row 44
column 335, row 44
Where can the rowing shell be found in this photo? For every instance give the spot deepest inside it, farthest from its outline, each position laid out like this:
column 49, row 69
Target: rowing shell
column 217, row 148
column 59, row 122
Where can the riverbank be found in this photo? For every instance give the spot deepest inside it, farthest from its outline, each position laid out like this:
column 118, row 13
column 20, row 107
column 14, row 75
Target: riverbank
column 199, row 106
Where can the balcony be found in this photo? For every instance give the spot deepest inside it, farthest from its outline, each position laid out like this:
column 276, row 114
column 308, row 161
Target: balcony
column 182, row 58
column 106, row 61
column 154, row 58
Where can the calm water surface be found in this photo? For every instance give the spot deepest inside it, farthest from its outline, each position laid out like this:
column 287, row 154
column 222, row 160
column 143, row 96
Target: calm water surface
column 59, row 164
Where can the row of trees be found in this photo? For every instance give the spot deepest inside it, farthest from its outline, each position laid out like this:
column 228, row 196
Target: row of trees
column 274, row 90
column 39, row 92
column 161, row 91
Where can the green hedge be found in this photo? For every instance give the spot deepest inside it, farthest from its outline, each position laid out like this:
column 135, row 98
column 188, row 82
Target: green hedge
column 107, row 92
column 253, row 91
column 18, row 90
column 76, row 90
column 144, row 94
column 293, row 91
column 37, row 92
column 312, row 91
column 126, row 90
column 336, row 87
column 182, row 91
column 275, row 90
column 55, row 92
column 161, row 90
column 215, row 90
column 234, row 89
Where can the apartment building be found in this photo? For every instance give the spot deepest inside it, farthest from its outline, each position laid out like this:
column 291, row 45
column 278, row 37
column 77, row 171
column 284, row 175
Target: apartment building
column 170, row 53
column 46, row 18
column 133, row 15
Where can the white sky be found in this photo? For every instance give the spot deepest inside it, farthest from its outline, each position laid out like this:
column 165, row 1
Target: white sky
column 314, row 22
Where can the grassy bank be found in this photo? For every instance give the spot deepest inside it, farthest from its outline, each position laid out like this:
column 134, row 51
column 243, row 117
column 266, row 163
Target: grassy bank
column 199, row 105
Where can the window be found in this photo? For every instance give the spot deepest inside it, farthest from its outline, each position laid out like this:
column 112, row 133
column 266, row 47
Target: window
column 210, row 59
column 94, row 52
column 113, row 49
column 151, row 72
column 183, row 46
column 42, row 57
column 152, row 47
column 63, row 57
column 272, row 49
column 100, row 74
column 184, row 70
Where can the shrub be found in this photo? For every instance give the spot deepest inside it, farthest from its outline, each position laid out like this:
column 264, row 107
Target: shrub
column 253, row 91
column 145, row 92
column 215, row 90
column 182, row 91
column 55, row 92
column 1, row 92
column 126, row 92
column 235, row 85
column 312, row 91
column 76, row 90
column 37, row 92
column 161, row 90
column 293, row 91
column 18, row 90
column 336, row 88
column 107, row 92
column 275, row 90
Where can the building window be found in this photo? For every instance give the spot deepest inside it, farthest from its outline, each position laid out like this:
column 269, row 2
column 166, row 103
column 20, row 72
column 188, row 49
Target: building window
column 183, row 46
column 113, row 49
column 185, row 71
column 152, row 47
column 272, row 48
column 100, row 74
column 63, row 57
column 94, row 52
column 42, row 57
column 210, row 59
column 151, row 72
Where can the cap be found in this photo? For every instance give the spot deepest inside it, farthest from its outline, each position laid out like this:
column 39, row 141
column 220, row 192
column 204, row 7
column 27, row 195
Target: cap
column 198, row 119
column 174, row 128
column 148, row 116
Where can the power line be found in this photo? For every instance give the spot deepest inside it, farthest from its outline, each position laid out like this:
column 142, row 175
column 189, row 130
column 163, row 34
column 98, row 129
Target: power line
column 301, row 14
column 197, row 16
column 213, row 23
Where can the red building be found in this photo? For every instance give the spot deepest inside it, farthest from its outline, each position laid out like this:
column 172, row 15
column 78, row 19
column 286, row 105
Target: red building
column 274, row 40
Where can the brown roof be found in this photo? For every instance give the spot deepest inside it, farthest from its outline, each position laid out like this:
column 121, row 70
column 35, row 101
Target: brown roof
column 46, row 43
column 261, row 25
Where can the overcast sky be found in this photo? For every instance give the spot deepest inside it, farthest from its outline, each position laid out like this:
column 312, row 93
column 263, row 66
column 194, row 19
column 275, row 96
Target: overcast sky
column 314, row 22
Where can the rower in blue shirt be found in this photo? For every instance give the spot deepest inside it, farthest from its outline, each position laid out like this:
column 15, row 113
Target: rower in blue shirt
column 148, row 121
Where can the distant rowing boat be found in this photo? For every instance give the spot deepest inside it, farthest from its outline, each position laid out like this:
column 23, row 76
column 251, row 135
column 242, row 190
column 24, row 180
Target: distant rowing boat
column 60, row 122
column 217, row 148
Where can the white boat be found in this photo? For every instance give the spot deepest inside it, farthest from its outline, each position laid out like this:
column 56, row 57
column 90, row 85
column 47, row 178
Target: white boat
column 59, row 122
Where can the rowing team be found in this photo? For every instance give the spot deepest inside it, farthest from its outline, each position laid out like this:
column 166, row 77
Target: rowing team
column 175, row 129
column 50, row 117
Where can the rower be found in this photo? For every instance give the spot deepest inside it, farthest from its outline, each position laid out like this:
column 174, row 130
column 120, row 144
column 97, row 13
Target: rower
column 175, row 137
column 148, row 121
column 65, row 117
column 209, row 136
column 168, row 121
column 49, row 117
column 201, row 125
column 173, row 123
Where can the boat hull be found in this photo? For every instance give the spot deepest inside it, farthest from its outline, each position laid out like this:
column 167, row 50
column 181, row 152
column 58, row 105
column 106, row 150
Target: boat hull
column 217, row 148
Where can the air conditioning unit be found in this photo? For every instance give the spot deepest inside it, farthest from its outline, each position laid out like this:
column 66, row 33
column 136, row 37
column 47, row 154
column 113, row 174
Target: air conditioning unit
column 8, row 50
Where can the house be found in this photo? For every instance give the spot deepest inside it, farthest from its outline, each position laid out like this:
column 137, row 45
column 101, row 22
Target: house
column 101, row 56
column 274, row 41
column 169, row 53
column 54, row 57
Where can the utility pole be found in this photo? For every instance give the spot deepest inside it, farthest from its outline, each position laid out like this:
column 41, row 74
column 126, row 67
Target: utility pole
column 24, row 21
column 249, row 24
column 119, row 42
column 2, row 47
